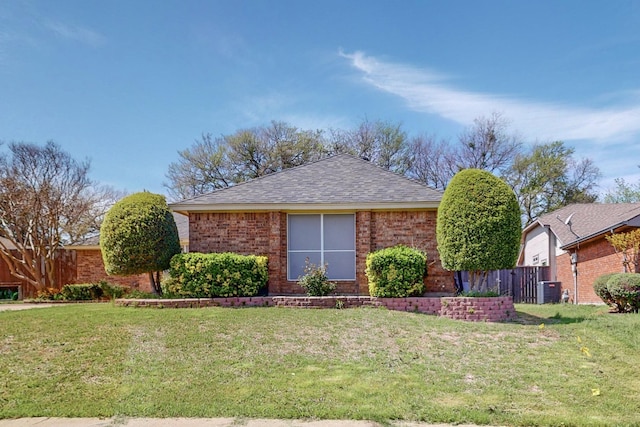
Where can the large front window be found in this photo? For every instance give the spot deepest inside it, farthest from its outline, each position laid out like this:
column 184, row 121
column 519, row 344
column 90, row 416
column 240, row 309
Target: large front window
column 324, row 239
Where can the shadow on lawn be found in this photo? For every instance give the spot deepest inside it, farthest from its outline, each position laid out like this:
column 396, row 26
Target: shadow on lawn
column 525, row 318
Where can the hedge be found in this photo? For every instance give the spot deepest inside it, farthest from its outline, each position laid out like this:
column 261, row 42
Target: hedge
column 396, row 272
column 600, row 288
column 624, row 289
column 197, row 275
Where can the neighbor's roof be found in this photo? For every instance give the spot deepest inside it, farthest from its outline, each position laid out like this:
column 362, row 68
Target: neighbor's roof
column 7, row 243
column 588, row 220
column 339, row 182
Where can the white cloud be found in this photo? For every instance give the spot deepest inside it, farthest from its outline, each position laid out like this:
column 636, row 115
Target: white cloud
column 74, row 33
column 426, row 91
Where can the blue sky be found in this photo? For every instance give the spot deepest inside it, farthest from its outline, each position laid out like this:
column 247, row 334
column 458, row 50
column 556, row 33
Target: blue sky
column 128, row 83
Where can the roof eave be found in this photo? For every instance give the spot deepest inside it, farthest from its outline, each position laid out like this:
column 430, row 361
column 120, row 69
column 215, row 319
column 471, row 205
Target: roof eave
column 594, row 235
column 185, row 208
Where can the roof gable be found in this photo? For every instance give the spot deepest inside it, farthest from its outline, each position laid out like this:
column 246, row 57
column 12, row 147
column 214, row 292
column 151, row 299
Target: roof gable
column 579, row 222
column 341, row 180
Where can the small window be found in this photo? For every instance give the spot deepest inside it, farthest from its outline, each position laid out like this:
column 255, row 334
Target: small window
column 323, row 239
column 536, row 259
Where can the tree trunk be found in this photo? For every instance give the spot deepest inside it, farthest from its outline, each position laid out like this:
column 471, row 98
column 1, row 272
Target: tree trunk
column 154, row 280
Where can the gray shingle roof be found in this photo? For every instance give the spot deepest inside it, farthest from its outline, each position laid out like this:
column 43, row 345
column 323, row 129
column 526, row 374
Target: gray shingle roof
column 338, row 180
column 588, row 220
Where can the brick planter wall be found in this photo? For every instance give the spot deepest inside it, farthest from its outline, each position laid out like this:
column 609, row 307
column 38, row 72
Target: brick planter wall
column 493, row 309
column 488, row 309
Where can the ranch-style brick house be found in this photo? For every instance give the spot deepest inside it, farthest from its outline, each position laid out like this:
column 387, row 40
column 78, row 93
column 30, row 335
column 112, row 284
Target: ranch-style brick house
column 333, row 211
column 572, row 242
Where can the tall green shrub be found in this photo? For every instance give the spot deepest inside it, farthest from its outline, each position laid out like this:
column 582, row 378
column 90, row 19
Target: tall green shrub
column 396, row 272
column 478, row 226
column 139, row 235
column 197, row 275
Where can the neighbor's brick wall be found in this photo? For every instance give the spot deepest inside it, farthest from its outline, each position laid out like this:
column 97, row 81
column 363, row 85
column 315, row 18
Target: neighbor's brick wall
column 90, row 269
column 266, row 234
column 594, row 259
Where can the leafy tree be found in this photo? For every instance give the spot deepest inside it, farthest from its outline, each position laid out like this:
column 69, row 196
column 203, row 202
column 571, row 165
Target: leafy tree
column 47, row 201
column 478, row 226
column 628, row 245
column 548, row 177
column 260, row 151
column 139, row 235
column 623, row 192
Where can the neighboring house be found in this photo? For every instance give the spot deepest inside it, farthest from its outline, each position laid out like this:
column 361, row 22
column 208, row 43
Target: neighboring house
column 572, row 239
column 334, row 211
column 82, row 263
column 90, row 266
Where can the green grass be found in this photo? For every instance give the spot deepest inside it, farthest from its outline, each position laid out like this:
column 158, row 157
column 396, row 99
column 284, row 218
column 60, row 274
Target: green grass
column 97, row 360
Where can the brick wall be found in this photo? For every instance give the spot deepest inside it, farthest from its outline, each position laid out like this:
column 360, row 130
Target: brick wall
column 415, row 229
column 266, row 234
column 496, row 309
column 594, row 259
column 90, row 269
column 246, row 233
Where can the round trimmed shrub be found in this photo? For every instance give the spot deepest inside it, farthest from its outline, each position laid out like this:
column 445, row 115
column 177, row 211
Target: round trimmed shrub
column 396, row 272
column 624, row 289
column 600, row 288
column 139, row 235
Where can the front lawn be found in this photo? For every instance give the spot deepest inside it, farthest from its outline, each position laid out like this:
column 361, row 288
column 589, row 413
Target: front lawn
column 557, row 365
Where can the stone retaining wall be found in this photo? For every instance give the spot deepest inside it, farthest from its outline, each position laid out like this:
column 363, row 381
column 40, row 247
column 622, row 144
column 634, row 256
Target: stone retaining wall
column 489, row 309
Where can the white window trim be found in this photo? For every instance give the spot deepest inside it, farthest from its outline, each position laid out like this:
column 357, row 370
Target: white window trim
column 322, row 250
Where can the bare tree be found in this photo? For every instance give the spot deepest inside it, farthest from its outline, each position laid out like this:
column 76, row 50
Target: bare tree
column 200, row 169
column 624, row 192
column 46, row 201
column 432, row 161
column 487, row 145
column 380, row 142
column 213, row 163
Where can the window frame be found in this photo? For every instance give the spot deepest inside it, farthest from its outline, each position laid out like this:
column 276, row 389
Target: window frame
column 322, row 251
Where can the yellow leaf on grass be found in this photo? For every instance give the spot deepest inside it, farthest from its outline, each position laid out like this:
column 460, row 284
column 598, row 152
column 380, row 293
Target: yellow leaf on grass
column 595, row 392
column 585, row 350
column 541, row 326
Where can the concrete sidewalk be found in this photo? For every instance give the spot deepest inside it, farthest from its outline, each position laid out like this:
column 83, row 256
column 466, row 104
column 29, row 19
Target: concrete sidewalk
column 23, row 306
column 199, row 422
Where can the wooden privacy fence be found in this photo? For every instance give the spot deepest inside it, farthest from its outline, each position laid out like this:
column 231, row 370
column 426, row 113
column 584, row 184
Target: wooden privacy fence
column 65, row 272
column 523, row 284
